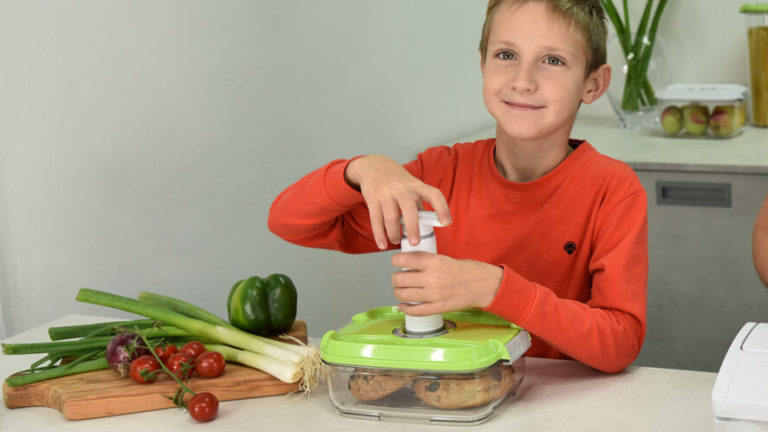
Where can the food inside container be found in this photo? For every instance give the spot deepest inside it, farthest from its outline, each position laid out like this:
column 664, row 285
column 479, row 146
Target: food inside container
column 702, row 110
column 456, row 376
column 436, row 397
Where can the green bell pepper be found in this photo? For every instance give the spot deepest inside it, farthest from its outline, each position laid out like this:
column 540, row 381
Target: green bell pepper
column 263, row 306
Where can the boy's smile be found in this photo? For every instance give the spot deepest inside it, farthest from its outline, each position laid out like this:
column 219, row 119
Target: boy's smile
column 534, row 73
column 522, row 106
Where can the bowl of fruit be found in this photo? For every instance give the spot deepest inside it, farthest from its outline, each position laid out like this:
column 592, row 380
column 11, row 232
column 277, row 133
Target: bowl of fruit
column 702, row 110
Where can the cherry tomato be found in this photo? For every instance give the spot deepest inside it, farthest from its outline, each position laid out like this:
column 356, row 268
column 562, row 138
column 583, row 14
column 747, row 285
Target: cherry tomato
column 181, row 364
column 166, row 352
column 203, row 407
column 193, row 348
column 210, row 364
column 143, row 368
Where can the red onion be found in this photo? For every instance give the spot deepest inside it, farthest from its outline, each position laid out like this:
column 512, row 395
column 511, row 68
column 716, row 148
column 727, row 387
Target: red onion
column 122, row 349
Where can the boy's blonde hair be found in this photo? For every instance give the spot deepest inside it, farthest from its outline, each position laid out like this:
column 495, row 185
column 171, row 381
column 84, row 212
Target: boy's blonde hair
column 587, row 16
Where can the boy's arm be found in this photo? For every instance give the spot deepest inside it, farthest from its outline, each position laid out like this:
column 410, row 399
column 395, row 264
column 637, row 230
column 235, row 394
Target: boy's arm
column 321, row 210
column 760, row 242
column 608, row 330
column 354, row 206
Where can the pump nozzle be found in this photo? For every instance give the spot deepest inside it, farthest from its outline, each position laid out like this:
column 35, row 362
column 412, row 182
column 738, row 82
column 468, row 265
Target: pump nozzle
column 427, row 221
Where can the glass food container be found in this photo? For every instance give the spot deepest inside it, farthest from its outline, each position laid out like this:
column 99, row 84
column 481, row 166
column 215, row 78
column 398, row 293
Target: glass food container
column 458, row 375
column 757, row 38
column 702, row 110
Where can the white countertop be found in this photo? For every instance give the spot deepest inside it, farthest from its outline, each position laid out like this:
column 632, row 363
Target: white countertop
column 746, row 153
column 556, row 395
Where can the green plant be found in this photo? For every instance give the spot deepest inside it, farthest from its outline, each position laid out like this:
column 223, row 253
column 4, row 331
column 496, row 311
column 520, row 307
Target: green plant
column 638, row 91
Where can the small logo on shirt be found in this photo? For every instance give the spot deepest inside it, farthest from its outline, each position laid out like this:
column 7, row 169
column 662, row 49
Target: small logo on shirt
column 569, row 247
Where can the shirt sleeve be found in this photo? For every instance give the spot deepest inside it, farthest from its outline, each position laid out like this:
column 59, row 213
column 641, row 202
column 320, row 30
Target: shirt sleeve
column 607, row 331
column 321, row 210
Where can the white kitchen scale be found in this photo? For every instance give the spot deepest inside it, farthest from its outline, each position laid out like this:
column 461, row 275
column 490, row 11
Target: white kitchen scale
column 740, row 394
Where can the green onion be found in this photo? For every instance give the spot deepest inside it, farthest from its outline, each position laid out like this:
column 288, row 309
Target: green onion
column 283, row 371
column 58, row 371
column 98, row 329
column 64, row 347
column 56, row 347
column 303, row 358
column 181, row 307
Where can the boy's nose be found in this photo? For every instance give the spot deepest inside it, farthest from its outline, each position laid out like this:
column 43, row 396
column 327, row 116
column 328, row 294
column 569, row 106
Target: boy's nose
column 523, row 79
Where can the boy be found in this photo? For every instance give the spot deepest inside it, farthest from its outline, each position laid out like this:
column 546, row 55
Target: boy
column 547, row 233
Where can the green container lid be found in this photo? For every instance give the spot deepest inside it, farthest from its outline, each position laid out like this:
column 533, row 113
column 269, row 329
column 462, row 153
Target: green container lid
column 478, row 340
column 754, row 8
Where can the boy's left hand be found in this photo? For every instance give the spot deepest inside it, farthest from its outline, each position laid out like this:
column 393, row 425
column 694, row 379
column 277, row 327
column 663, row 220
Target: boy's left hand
column 443, row 284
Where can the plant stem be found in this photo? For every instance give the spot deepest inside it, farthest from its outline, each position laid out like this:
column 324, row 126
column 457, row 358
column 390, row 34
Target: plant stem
column 627, row 27
column 178, row 399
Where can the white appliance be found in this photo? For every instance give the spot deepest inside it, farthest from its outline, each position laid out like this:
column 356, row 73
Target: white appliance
column 740, row 394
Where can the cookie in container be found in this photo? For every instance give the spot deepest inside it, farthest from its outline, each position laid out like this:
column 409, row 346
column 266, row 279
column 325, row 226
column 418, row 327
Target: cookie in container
column 702, row 110
column 457, row 375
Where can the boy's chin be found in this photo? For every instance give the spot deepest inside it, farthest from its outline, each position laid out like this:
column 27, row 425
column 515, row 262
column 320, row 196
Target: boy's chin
column 531, row 130
column 520, row 131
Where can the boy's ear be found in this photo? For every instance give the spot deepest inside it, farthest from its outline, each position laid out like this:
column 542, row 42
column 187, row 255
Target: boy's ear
column 596, row 84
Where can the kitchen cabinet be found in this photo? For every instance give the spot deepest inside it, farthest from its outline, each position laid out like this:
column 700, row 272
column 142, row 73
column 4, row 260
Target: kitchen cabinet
column 703, row 197
column 702, row 286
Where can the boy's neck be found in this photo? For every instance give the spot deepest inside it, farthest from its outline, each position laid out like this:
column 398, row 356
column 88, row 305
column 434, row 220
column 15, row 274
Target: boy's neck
column 522, row 161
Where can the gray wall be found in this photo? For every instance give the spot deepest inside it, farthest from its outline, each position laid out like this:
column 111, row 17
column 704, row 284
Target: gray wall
column 142, row 142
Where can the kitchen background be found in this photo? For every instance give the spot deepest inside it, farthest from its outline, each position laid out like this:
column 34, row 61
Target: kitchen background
column 142, row 142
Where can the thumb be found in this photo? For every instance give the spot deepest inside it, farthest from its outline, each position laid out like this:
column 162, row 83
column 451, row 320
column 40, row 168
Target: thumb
column 412, row 260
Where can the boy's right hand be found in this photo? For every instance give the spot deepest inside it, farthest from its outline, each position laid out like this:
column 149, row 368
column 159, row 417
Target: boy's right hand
column 389, row 190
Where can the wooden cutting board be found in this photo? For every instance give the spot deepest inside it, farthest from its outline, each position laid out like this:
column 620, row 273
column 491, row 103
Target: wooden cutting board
column 103, row 393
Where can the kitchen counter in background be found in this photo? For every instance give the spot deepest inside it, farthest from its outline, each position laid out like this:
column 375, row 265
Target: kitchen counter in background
column 703, row 197
column 556, row 395
column 650, row 150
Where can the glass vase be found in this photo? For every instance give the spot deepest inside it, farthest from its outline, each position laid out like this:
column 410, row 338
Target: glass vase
column 646, row 116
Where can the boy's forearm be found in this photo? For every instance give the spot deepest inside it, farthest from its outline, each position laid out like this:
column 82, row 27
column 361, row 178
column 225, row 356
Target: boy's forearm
column 310, row 212
column 606, row 339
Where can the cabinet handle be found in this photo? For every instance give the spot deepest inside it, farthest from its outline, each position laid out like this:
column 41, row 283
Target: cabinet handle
column 693, row 194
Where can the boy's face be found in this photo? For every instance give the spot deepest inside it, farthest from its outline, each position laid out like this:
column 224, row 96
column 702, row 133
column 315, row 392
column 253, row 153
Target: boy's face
column 533, row 75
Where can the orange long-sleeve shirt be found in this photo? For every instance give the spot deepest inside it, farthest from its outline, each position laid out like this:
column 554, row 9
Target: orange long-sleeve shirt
column 573, row 243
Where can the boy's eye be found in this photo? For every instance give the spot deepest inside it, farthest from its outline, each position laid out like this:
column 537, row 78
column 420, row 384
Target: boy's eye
column 505, row 55
column 553, row 61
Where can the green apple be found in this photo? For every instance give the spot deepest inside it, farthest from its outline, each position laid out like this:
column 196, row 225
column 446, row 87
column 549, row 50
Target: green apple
column 695, row 118
column 672, row 119
column 723, row 120
column 741, row 115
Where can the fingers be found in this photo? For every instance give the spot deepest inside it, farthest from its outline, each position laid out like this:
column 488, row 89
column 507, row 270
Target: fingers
column 415, row 260
column 421, row 309
column 377, row 226
column 436, row 198
column 411, row 221
column 391, row 218
column 390, row 191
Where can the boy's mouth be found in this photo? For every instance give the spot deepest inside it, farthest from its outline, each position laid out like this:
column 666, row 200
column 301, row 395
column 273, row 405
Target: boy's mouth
column 522, row 106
